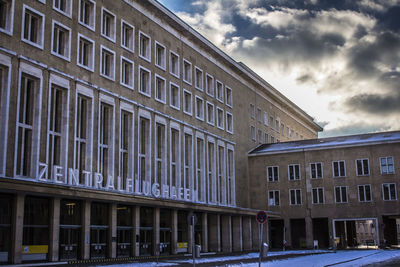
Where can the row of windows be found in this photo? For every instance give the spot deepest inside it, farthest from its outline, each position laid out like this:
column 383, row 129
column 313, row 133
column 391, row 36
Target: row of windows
column 259, row 137
column 389, row 193
column 274, row 124
column 206, row 161
column 338, row 169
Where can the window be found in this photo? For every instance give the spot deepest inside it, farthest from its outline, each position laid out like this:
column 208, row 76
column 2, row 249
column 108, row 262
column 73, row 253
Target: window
column 211, row 181
column 316, row 170
column 221, row 194
column 252, row 111
column 160, row 90
column 127, row 72
column 294, row 172
column 198, row 79
column 266, row 138
column 228, row 96
column 364, row 193
column 253, row 133
column 33, row 27
column 220, row 118
column 87, row 13
column 63, row 6
column 187, row 71
column 200, row 182
column 318, row 195
column 108, row 24
column 126, row 144
column 187, row 102
column 6, row 16
column 339, row 169
column 288, row 132
column 5, row 84
column 231, row 197
column 210, row 85
column 210, row 113
column 175, row 147
column 271, row 122
column 160, row 153
column 272, row 139
column 282, row 129
column 387, row 165
column 127, row 36
column 340, row 194
column 144, row 81
column 144, row 46
column 362, row 167
column 85, row 53
column 220, row 92
column 187, row 160
column 57, row 128
column 229, row 122
column 272, row 173
column 106, row 141
column 27, row 126
column 199, row 107
column 160, row 55
column 174, row 64
column 259, row 135
column 265, row 118
column 174, row 96
column 107, row 63
column 277, row 126
column 273, row 198
column 259, row 115
column 295, row 196
column 83, row 134
column 61, row 41
column 144, row 148
column 389, row 192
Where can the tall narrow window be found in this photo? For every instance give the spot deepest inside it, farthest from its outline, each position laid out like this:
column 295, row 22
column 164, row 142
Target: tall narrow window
column 200, row 170
column 295, row 196
column 230, row 183
column 188, row 161
column 187, row 102
column 389, row 191
column 187, row 71
column 210, row 85
column 220, row 92
column 199, row 108
column 220, row 118
column 364, row 193
column 229, row 122
column 144, row 81
column 174, row 64
column 174, row 96
column 175, row 157
column 108, row 24
column 144, row 46
column 294, row 172
column 85, row 53
column 318, row 195
column 160, row 155
column 198, row 79
column 341, row 194
column 228, row 96
column 107, row 66
column 210, row 113
column 316, row 170
column 6, row 16
column 160, row 55
column 362, row 167
column 252, row 111
column 61, row 41
column 144, row 151
column 26, row 125
column 4, row 109
column 339, row 169
column 127, row 36
column 273, row 198
column 272, row 173
column 253, row 133
column 160, row 90
column 106, row 140
column 56, row 131
column 126, row 72
column 126, row 146
column 211, row 183
column 33, row 27
column 259, row 136
column 221, row 183
column 387, row 165
column 87, row 13
column 63, row 6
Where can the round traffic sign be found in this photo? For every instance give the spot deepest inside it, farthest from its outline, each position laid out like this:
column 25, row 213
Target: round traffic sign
column 261, row 217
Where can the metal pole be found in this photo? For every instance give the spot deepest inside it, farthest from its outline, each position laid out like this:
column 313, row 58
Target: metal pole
column 193, row 246
column 261, row 235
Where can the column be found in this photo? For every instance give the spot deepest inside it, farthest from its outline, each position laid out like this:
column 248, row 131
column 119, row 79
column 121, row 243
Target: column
column 214, row 237
column 112, row 231
column 288, row 231
column 85, row 247
column 237, row 236
column 204, row 232
column 156, row 231
column 331, row 236
column 136, row 230
column 309, row 233
column 54, row 229
column 174, row 233
column 226, row 233
column 17, row 228
column 255, row 230
column 247, row 233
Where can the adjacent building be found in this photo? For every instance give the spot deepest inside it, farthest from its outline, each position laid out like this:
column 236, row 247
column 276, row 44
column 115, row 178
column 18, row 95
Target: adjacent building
column 341, row 187
column 118, row 120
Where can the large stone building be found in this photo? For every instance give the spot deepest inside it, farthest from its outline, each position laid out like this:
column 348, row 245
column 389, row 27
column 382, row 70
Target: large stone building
column 117, row 121
column 340, row 187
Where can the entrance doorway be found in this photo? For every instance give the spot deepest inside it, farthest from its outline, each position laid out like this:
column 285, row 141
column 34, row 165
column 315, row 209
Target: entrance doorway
column 146, row 231
column 124, row 230
column 276, row 237
column 98, row 230
column 70, row 229
column 183, row 233
column 298, row 233
column 165, row 232
column 5, row 226
column 321, row 231
column 390, row 230
column 356, row 233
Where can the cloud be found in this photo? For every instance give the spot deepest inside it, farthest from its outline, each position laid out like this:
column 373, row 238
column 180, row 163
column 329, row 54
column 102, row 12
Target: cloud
column 355, row 128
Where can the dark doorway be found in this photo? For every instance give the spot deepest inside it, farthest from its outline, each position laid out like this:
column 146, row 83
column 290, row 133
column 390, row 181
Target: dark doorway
column 165, row 232
column 98, row 230
column 124, row 230
column 321, row 231
column 5, row 226
column 183, row 234
column 70, row 229
column 340, row 232
column 351, row 234
column 298, row 233
column 389, row 230
column 276, row 234
column 146, row 231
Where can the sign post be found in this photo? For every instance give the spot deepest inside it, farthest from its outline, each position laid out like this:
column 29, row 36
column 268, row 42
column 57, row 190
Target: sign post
column 261, row 219
column 192, row 220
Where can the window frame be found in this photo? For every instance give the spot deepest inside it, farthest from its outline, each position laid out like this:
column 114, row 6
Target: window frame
column 213, row 113
column 171, row 69
column 163, row 66
column 140, row 82
column 9, row 27
column 60, row 25
column 333, row 168
column 296, row 190
column 148, row 48
column 228, row 114
column 390, row 197
column 341, row 194
column 318, row 202
column 219, row 90
column 184, row 93
column 112, row 67
column 68, row 14
column 252, row 111
column 92, row 59
column 40, row 30
column 316, row 170
column 113, row 26
column 370, row 192
column 156, row 77
column 253, row 134
column 274, row 198
column 272, row 168
column 228, row 96
column 208, row 83
column 386, row 159
column 190, row 73
column 362, row 167
column 220, row 125
column 122, row 59
column 92, row 17
column 5, row 85
column 177, row 107
column 196, row 80
column 130, row 49
column 196, row 98
column 295, row 178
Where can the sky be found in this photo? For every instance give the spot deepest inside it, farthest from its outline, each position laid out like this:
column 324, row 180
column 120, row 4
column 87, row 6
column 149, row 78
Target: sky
column 338, row 60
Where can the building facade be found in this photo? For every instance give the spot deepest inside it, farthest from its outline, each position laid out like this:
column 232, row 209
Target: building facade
column 341, row 187
column 118, row 121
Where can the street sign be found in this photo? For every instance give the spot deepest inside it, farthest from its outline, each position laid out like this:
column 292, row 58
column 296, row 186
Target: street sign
column 261, row 217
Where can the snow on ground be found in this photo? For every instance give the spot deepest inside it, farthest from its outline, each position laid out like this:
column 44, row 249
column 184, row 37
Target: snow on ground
column 353, row 258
